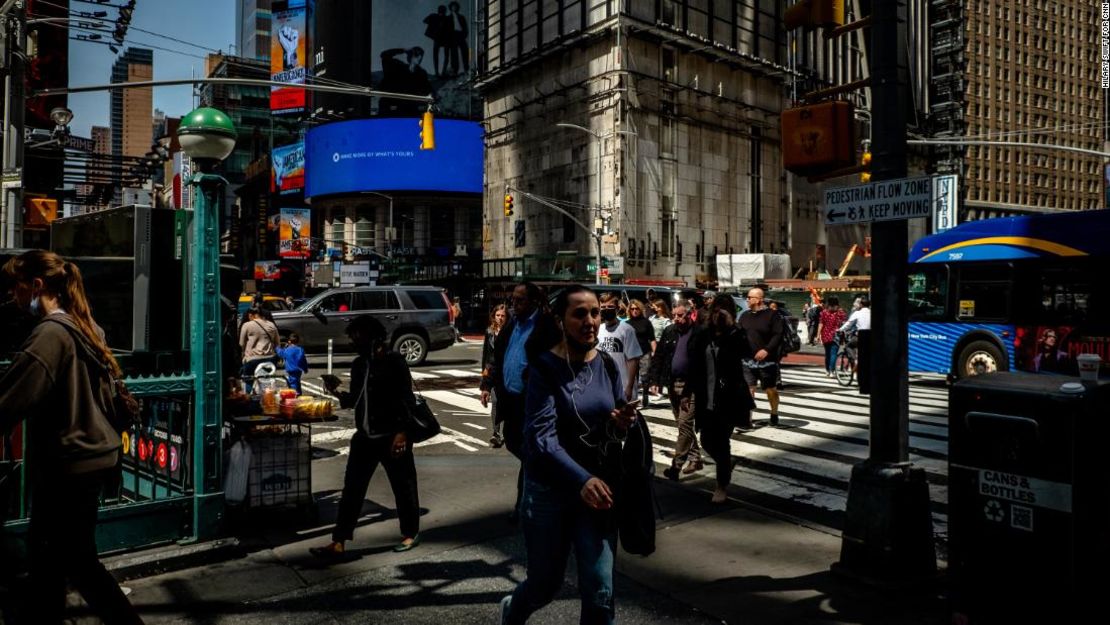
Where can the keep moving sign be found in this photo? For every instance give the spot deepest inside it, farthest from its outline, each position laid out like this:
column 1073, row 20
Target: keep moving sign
column 888, row 200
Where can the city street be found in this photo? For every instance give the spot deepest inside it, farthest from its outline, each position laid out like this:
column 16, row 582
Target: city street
column 762, row 558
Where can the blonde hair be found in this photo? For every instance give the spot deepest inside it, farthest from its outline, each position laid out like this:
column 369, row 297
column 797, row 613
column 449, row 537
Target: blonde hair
column 63, row 279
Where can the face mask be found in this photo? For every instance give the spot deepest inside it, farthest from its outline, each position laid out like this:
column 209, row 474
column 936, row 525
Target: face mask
column 36, row 306
column 608, row 314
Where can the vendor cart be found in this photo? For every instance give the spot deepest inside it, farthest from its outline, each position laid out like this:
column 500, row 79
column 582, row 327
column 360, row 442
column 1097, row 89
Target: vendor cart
column 280, row 468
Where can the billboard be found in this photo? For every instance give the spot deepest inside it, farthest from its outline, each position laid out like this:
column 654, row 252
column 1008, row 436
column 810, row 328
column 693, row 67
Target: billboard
column 288, row 57
column 287, row 171
column 267, row 270
column 384, row 155
column 424, row 47
column 295, row 233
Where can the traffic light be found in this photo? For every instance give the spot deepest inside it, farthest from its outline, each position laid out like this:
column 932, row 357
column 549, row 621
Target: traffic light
column 427, row 131
column 818, row 138
column 865, row 160
column 814, row 13
column 508, row 205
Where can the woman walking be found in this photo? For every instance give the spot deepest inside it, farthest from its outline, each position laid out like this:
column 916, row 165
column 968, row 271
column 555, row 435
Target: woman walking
column 645, row 336
column 721, row 396
column 60, row 381
column 497, row 318
column 575, row 417
column 832, row 317
column 381, row 394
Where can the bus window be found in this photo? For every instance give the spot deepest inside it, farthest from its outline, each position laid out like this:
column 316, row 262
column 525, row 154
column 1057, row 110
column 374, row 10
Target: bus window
column 1065, row 296
column 928, row 293
column 984, row 293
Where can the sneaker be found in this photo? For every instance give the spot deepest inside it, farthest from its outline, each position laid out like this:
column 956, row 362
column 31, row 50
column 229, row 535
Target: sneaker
column 720, row 495
column 496, row 441
column 692, row 466
column 506, row 601
column 671, row 473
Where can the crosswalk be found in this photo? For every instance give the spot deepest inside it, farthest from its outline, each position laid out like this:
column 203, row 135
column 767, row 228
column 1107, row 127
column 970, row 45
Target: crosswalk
column 806, row 462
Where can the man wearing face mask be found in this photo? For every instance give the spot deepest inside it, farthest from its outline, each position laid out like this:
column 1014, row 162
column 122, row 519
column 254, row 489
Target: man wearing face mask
column 381, row 394
column 618, row 339
column 670, row 368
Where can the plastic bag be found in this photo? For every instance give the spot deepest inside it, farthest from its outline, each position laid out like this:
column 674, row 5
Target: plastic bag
column 238, row 473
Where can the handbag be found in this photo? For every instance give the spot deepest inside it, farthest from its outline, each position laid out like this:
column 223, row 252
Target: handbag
column 422, row 421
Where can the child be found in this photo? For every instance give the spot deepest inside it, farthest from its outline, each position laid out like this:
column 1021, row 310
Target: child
column 295, row 361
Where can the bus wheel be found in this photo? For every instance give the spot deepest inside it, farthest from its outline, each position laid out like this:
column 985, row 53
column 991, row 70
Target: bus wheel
column 980, row 357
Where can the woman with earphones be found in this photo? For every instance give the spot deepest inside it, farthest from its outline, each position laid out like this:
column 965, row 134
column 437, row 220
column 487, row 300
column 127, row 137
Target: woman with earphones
column 575, row 419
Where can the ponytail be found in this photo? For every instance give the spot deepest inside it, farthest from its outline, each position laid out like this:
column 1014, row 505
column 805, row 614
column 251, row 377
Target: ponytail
column 77, row 305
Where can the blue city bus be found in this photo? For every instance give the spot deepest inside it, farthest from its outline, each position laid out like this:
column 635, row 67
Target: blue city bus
column 1016, row 293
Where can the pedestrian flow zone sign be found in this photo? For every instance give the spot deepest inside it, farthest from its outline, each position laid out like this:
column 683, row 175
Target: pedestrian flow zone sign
column 888, row 200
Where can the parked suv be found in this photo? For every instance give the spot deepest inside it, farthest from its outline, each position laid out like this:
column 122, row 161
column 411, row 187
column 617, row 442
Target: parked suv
column 417, row 319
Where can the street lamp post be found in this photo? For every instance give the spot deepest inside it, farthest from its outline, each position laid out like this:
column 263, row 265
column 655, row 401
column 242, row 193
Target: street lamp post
column 598, row 224
column 207, row 136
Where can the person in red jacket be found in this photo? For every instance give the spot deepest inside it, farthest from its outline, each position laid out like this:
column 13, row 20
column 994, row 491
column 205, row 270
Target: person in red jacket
column 59, row 382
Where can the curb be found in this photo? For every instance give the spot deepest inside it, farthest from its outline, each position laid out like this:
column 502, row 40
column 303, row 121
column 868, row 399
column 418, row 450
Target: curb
column 174, row 557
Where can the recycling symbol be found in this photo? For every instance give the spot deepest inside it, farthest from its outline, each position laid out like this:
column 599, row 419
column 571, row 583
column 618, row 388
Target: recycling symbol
column 993, row 511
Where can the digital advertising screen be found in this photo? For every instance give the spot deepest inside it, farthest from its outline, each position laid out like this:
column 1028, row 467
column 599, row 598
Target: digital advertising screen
column 424, row 47
column 287, row 172
column 288, row 57
column 267, row 270
column 295, row 232
column 385, row 155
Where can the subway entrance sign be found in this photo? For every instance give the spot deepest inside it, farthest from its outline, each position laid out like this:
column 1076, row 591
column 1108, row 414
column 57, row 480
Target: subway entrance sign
column 888, row 200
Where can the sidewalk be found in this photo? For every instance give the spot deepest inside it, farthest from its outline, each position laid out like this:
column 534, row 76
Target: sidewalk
column 715, row 564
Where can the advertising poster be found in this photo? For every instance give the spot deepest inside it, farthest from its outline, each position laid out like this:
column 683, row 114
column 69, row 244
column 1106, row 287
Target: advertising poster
column 287, row 173
column 267, row 270
column 1054, row 348
column 294, row 233
column 424, row 47
column 288, row 58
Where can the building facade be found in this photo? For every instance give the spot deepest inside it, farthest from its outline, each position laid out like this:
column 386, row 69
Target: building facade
column 1033, row 76
column 252, row 29
column 132, row 109
column 681, row 102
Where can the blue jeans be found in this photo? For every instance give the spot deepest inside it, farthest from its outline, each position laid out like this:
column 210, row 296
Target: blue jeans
column 830, row 356
column 554, row 520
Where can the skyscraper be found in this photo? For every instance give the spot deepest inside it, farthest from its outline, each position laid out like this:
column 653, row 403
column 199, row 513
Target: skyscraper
column 132, row 109
column 252, row 28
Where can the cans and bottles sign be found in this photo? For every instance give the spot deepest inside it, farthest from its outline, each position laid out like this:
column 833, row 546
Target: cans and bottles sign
column 288, row 56
column 295, row 233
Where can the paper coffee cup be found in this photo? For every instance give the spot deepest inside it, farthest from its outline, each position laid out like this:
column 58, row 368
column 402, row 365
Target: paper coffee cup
column 1088, row 366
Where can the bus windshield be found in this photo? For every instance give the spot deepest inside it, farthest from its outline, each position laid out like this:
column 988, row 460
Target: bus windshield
column 1010, row 293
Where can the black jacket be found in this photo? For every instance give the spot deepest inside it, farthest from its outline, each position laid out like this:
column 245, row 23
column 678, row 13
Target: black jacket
column 56, row 383
column 733, row 399
column 381, row 394
column 659, row 374
column 544, row 336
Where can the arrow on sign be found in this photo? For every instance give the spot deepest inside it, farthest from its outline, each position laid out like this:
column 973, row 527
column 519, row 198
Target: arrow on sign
column 832, row 215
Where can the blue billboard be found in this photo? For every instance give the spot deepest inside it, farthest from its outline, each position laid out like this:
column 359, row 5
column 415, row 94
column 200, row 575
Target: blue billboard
column 384, row 154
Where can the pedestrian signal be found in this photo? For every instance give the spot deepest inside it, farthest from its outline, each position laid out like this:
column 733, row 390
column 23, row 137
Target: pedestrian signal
column 427, row 132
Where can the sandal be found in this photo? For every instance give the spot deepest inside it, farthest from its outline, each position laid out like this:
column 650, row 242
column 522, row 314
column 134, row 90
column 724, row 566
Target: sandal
column 331, row 550
column 403, row 546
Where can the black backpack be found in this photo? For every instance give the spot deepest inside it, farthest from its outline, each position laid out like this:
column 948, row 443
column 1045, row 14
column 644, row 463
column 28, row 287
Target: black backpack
column 635, row 503
column 122, row 411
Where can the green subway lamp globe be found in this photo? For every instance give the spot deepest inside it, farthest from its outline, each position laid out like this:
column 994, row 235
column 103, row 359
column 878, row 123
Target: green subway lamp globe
column 206, row 134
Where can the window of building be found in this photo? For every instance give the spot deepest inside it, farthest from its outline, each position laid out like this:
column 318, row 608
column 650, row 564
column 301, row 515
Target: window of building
column 666, row 234
column 364, row 229
column 337, row 234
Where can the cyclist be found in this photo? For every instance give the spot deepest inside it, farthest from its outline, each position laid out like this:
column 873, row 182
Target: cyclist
column 860, row 320
column 844, row 367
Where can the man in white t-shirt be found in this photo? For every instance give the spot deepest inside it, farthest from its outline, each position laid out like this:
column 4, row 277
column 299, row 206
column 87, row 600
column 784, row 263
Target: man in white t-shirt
column 861, row 320
column 619, row 340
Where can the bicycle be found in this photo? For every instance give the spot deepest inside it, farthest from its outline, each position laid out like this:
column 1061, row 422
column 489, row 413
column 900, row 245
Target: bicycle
column 845, row 365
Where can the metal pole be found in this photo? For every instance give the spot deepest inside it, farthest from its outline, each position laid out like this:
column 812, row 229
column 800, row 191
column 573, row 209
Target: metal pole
column 597, row 230
column 204, row 353
column 331, row 352
column 5, row 218
column 888, row 527
column 253, row 82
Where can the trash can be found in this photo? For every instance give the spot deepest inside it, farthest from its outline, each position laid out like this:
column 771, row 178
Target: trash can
column 1029, row 497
